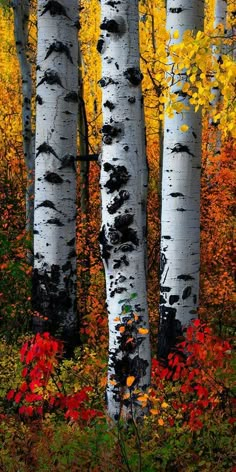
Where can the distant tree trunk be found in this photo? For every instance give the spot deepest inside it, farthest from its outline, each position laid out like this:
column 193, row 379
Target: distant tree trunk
column 220, row 14
column 123, row 186
column 84, row 258
column 180, row 216
column 21, row 9
column 54, row 276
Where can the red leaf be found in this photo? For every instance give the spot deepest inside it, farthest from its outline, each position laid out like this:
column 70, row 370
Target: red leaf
column 18, row 397
column 10, row 394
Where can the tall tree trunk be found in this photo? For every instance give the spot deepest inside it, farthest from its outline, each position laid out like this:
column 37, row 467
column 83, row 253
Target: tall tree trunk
column 180, row 219
column 124, row 186
column 21, row 9
column 84, row 257
column 54, row 277
column 220, row 14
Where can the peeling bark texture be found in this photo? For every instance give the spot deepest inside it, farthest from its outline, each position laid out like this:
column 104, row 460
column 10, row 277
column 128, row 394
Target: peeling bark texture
column 21, row 10
column 123, row 187
column 54, row 276
column 180, row 216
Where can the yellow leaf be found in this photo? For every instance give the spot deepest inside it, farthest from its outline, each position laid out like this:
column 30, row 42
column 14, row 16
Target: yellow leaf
column 161, row 422
column 164, row 405
column 130, row 380
column 186, row 86
column 176, row 34
column 153, row 411
column 117, row 318
column 143, row 331
column 184, row 128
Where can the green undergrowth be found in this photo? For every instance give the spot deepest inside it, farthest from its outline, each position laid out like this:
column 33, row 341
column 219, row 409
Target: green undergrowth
column 55, row 446
column 53, row 443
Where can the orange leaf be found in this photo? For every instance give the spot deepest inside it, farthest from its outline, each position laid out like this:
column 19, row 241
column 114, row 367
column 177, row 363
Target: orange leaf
column 122, row 329
column 129, row 340
column 130, row 380
column 112, row 382
column 143, row 398
column 161, row 422
column 143, row 331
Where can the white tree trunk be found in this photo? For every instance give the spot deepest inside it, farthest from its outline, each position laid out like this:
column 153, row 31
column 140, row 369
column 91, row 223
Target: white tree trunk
column 220, row 14
column 54, row 280
column 21, row 9
column 180, row 219
column 123, row 186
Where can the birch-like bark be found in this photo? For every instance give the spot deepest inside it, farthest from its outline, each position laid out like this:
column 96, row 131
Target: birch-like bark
column 84, row 257
column 21, row 10
column 123, row 187
column 180, row 218
column 54, row 278
column 220, row 15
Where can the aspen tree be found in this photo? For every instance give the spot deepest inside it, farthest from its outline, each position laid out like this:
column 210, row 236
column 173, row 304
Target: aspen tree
column 21, row 10
column 180, row 218
column 54, row 276
column 123, row 188
column 220, row 14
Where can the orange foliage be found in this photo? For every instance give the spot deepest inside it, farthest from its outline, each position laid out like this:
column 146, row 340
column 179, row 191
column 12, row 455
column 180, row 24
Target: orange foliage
column 217, row 204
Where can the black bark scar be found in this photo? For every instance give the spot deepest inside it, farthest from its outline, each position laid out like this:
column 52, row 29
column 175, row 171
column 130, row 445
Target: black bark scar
column 47, row 204
column 55, row 221
column 51, row 77
column 71, row 97
column 58, row 46
column 110, row 25
column 106, row 248
column 133, row 75
column 119, row 176
column 179, row 148
column 53, row 178
column 55, row 8
column 45, row 148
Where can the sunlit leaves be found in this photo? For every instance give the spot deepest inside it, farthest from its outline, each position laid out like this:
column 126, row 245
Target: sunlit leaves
column 130, row 380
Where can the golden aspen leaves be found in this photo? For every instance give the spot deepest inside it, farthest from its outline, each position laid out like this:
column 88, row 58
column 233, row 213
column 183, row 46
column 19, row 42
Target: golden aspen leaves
column 176, row 34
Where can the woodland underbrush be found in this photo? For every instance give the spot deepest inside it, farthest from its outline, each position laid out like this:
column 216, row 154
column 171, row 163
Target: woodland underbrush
column 53, row 412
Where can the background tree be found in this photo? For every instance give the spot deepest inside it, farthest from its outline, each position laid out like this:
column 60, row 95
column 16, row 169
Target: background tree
column 123, row 186
column 180, row 216
column 54, row 275
column 21, row 11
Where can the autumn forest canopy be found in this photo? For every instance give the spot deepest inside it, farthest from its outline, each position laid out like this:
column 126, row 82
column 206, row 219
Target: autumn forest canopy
column 117, row 190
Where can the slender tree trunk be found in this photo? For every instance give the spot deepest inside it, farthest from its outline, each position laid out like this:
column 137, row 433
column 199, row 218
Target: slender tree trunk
column 21, row 9
column 123, row 187
column 84, row 257
column 54, row 277
column 220, row 14
column 180, row 220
